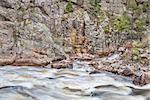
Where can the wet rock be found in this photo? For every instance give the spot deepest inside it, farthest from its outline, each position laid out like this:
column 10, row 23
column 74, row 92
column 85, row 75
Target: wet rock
column 82, row 66
column 145, row 78
column 61, row 64
column 128, row 72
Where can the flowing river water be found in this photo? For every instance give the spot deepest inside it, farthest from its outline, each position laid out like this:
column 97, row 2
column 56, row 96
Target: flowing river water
column 35, row 83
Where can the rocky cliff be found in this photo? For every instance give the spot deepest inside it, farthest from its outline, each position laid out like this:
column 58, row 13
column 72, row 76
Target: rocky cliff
column 33, row 32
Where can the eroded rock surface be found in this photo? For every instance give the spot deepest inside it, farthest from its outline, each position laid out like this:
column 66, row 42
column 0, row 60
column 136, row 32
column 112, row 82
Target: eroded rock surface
column 41, row 29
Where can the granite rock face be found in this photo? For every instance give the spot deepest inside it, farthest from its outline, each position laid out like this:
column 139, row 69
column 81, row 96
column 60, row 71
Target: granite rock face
column 32, row 32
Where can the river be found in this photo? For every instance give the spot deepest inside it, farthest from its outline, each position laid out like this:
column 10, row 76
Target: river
column 37, row 83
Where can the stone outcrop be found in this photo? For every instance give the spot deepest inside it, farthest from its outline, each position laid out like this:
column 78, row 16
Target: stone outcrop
column 33, row 32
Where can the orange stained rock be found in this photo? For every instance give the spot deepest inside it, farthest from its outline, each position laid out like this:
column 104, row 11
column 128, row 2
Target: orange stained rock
column 78, row 41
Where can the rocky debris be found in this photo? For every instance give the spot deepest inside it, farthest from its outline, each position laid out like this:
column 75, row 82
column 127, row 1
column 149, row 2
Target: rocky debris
column 73, row 59
column 114, row 64
column 143, row 79
column 61, row 64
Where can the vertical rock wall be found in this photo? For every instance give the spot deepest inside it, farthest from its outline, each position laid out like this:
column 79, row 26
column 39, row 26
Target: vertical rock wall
column 32, row 32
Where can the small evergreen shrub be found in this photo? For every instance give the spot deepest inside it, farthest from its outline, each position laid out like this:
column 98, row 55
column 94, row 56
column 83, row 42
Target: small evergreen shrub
column 69, row 7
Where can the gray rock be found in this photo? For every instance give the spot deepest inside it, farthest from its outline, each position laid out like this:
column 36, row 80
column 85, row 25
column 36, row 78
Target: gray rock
column 33, row 25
